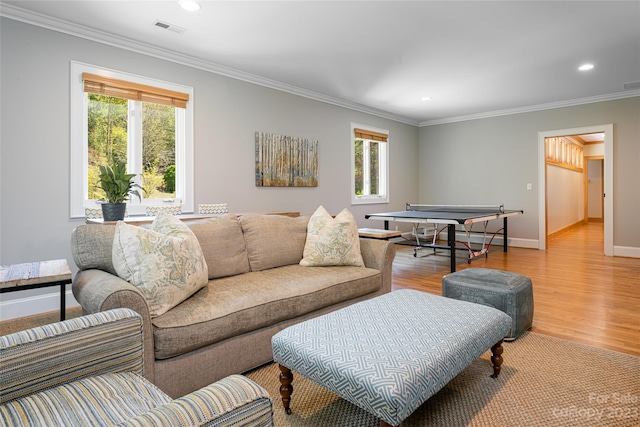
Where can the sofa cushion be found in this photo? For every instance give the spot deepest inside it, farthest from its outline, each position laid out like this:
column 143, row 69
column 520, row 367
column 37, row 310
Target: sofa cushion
column 235, row 305
column 92, row 247
column 274, row 240
column 222, row 245
column 332, row 241
column 121, row 395
column 165, row 262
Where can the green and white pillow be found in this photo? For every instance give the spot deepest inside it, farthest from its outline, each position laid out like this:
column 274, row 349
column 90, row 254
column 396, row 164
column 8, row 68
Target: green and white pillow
column 332, row 241
column 164, row 262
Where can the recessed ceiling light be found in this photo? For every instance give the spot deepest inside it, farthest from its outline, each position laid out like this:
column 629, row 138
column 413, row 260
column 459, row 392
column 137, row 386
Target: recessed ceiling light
column 189, row 5
column 585, row 67
column 426, row 98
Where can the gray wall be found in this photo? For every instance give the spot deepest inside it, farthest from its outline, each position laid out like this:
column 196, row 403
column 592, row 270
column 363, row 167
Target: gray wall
column 34, row 173
column 491, row 160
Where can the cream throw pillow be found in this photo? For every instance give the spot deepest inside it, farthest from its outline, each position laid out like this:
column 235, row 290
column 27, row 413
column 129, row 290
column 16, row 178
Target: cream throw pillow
column 164, row 262
column 332, row 241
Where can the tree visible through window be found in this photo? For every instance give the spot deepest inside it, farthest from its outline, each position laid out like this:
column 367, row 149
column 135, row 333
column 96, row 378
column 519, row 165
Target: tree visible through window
column 108, row 141
column 107, row 136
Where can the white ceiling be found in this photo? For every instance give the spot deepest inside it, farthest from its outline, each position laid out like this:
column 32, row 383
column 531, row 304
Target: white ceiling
column 473, row 58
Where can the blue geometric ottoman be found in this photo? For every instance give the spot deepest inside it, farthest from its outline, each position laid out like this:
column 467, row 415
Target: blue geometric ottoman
column 389, row 354
column 509, row 292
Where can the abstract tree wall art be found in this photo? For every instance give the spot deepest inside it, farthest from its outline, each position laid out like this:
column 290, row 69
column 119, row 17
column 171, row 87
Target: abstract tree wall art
column 286, row 161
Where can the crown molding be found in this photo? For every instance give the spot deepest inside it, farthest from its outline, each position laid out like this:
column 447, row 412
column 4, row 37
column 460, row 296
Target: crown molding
column 66, row 27
column 531, row 108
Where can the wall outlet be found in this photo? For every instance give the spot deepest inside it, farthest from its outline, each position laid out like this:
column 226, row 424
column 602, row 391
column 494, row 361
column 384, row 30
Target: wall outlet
column 529, row 186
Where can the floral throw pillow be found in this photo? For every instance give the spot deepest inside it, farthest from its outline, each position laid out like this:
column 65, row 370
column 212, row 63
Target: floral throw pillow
column 332, row 241
column 164, row 262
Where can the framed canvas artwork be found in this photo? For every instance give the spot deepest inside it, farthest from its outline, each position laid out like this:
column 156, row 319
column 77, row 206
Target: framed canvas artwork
column 286, row 161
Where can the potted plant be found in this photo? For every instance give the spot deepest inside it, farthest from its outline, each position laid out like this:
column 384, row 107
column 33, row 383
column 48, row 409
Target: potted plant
column 118, row 185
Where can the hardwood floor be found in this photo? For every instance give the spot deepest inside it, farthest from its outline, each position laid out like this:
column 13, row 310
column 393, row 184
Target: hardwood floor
column 579, row 294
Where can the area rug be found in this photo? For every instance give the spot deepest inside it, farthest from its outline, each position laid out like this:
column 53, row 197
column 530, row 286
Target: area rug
column 545, row 381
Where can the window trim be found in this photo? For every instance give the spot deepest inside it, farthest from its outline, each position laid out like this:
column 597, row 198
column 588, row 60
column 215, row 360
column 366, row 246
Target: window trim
column 369, row 199
column 79, row 154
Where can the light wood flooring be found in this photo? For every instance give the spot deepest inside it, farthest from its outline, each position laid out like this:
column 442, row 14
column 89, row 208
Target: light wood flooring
column 579, row 294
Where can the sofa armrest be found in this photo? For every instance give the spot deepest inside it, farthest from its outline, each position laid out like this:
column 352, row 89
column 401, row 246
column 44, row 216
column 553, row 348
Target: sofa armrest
column 58, row 353
column 234, row 398
column 379, row 254
column 97, row 291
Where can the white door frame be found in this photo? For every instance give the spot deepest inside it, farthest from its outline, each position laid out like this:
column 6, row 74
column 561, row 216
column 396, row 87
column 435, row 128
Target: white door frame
column 608, row 181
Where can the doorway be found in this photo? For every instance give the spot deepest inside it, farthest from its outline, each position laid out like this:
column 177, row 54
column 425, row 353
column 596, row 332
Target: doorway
column 607, row 130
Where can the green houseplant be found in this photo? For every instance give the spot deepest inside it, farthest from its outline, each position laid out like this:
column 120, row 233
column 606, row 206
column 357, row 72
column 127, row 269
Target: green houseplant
column 118, row 186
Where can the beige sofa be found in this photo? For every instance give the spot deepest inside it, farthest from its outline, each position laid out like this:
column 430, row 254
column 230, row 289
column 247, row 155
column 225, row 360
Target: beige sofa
column 256, row 288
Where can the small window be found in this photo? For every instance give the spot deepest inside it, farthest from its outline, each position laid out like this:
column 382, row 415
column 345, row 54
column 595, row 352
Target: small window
column 145, row 123
column 369, row 166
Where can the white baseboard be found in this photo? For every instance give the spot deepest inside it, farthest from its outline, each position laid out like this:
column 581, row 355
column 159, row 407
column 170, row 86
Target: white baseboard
column 623, row 251
column 37, row 304
column 626, row 251
column 523, row 243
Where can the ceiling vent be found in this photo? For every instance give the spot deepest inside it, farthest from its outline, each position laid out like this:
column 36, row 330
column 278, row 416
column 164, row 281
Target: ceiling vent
column 631, row 86
column 170, row 27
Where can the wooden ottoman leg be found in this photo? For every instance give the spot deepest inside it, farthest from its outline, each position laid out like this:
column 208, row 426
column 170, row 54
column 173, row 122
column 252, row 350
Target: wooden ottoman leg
column 496, row 358
column 286, row 388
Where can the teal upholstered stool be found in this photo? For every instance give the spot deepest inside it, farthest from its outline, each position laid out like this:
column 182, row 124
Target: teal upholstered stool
column 504, row 290
column 389, row 354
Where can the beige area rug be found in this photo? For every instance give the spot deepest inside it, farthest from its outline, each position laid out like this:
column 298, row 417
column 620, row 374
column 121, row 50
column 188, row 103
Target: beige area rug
column 545, row 382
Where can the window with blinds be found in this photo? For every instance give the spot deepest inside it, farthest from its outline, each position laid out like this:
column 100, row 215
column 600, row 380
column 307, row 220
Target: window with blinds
column 146, row 123
column 369, row 165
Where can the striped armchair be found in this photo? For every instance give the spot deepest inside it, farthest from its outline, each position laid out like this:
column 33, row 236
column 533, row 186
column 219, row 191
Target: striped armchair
column 88, row 371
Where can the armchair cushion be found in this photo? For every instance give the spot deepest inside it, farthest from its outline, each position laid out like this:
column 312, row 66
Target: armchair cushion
column 232, row 401
column 97, row 401
column 127, row 399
